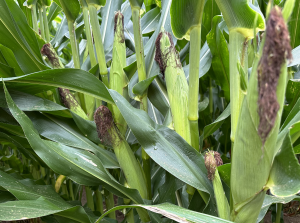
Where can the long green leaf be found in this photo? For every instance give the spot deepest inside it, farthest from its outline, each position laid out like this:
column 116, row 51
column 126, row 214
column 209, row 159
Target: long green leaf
column 65, row 132
column 173, row 212
column 284, row 180
column 71, row 79
column 83, row 167
column 165, row 146
column 12, row 36
column 185, row 15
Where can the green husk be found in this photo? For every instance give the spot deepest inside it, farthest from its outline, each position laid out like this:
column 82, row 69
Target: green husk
column 110, row 135
column 258, row 126
column 212, row 161
column 66, row 96
column 177, row 87
column 118, row 78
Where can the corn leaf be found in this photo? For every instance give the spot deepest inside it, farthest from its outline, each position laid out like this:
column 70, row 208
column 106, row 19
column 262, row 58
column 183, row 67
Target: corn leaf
column 284, row 180
column 240, row 16
column 220, row 56
column 166, row 147
column 174, row 212
column 71, row 79
column 71, row 9
column 83, row 167
column 185, row 14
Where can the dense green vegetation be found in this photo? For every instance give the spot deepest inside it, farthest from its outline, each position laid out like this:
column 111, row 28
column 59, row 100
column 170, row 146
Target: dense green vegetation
column 148, row 110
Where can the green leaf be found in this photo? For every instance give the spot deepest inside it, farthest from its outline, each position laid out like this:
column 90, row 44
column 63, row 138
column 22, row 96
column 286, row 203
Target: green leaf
column 21, row 210
column 269, row 200
column 211, row 128
column 141, row 88
column 66, row 132
column 288, row 9
column 165, row 146
column 97, row 3
column 71, row 9
column 28, row 102
column 220, row 56
column 71, row 79
column 136, row 3
column 185, row 14
column 225, row 171
column 53, row 13
column 210, row 10
column 294, row 26
column 284, row 177
column 239, row 15
column 296, row 56
column 19, row 37
column 173, row 212
column 83, row 167
column 11, row 60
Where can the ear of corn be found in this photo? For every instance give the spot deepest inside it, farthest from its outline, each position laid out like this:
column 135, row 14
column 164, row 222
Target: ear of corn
column 118, row 79
column 254, row 147
column 170, row 65
column 110, row 135
column 66, row 96
column 212, row 161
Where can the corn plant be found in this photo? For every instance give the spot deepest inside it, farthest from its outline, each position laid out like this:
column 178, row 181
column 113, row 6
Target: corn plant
column 148, row 111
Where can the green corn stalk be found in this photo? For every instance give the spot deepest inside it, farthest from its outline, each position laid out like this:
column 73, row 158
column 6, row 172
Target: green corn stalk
column 46, row 27
column 90, row 102
column 42, row 29
column 46, row 3
column 212, row 161
column 94, row 6
column 186, row 19
column 85, row 10
column 258, row 126
column 32, row 5
column 240, row 19
column 109, row 201
column 141, row 68
column 71, row 9
column 177, row 87
column 110, row 135
column 118, row 78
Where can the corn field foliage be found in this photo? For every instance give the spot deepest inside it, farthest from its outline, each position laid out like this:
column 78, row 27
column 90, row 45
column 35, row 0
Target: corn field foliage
column 149, row 110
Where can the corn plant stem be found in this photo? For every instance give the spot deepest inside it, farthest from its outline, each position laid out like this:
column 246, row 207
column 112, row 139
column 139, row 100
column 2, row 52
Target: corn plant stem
column 34, row 18
column 236, row 96
column 41, row 23
column 130, row 216
column 211, row 100
column 98, row 44
column 46, row 27
column 278, row 212
column 70, row 185
column 99, row 201
column 89, row 36
column 178, row 198
column 89, row 101
column 76, row 60
column 89, row 197
column 109, row 201
column 74, row 46
column 194, row 85
column 141, row 68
